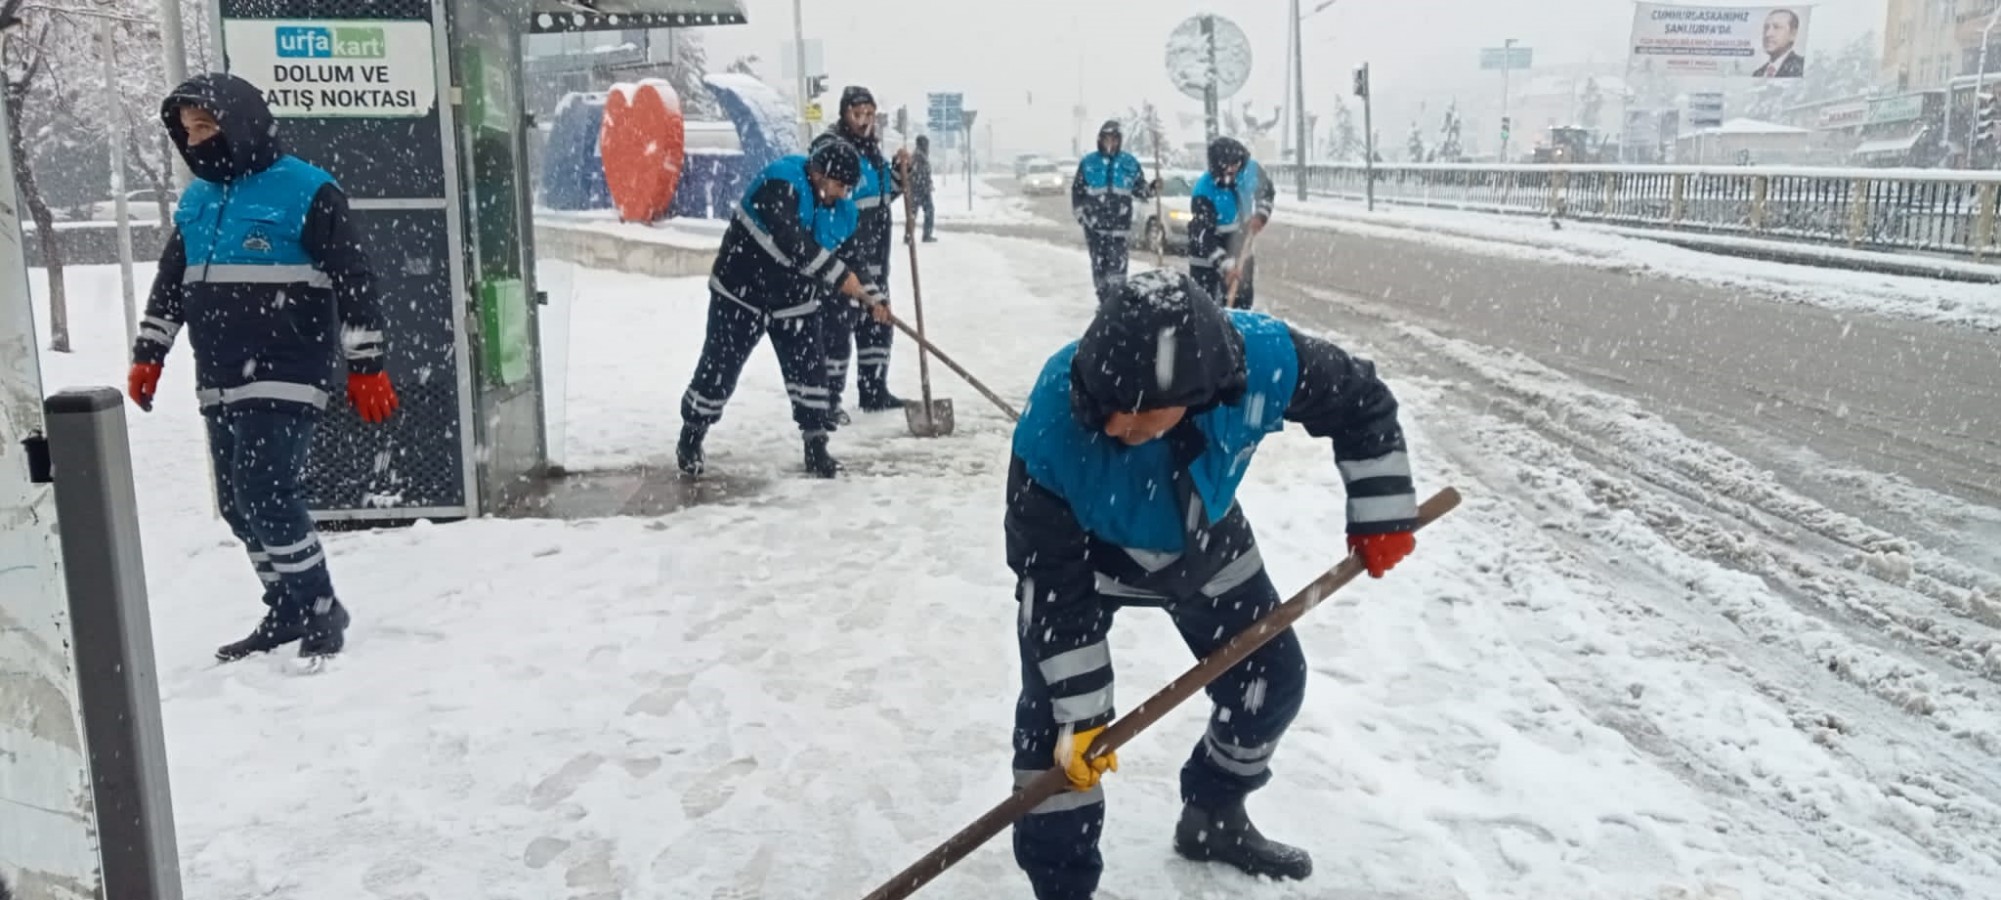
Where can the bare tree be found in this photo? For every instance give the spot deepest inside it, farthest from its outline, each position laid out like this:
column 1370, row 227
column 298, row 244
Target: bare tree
column 25, row 51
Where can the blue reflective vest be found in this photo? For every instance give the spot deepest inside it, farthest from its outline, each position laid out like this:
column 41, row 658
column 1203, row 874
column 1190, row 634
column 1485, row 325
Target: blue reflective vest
column 1229, row 202
column 1124, row 495
column 831, row 226
column 1120, row 173
column 257, row 220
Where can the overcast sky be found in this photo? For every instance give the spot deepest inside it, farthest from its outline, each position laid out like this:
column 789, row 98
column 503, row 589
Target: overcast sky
column 1025, row 63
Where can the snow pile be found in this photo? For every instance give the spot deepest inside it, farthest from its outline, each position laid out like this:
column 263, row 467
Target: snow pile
column 1925, row 299
column 795, row 689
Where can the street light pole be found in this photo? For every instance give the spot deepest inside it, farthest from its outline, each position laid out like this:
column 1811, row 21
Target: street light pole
column 107, row 37
column 799, row 52
column 1507, row 68
column 173, row 46
column 1299, row 100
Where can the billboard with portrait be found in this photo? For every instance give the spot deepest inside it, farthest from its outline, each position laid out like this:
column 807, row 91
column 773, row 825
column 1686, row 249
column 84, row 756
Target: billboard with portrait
column 1730, row 41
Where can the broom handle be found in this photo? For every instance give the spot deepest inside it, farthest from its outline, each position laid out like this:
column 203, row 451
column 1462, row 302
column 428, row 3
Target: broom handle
column 1052, row 781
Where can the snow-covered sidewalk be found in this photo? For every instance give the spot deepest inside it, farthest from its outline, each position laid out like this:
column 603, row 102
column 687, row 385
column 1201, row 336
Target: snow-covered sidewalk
column 1629, row 250
column 795, row 694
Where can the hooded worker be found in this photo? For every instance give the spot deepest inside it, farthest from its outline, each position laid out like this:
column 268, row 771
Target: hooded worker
column 1101, row 197
column 266, row 270
column 1122, row 492
column 850, row 333
column 788, row 248
column 1232, row 201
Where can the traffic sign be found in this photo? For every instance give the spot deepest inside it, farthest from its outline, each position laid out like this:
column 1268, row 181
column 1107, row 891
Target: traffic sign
column 945, row 111
column 1507, row 57
column 1208, row 52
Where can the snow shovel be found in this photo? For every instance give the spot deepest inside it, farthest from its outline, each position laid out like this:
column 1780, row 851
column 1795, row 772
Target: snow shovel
column 930, row 418
column 1052, row 781
column 986, row 392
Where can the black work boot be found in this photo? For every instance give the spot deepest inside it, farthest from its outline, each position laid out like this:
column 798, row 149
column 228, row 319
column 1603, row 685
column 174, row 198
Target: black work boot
column 1226, row 835
column 820, row 463
column 688, row 452
column 280, row 626
column 325, row 632
column 881, row 401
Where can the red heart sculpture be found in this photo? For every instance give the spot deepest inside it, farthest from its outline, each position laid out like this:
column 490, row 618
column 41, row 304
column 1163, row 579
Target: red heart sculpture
column 643, row 142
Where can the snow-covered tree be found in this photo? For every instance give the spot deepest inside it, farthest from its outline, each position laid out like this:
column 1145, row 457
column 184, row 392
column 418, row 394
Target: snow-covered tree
column 1415, row 143
column 1590, row 104
column 38, row 48
column 691, row 63
column 1347, row 135
column 1449, row 149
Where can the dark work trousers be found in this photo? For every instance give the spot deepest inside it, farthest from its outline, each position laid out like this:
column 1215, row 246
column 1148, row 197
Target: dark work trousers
column 734, row 332
column 1109, row 255
column 1057, row 842
column 930, row 212
column 853, row 335
column 260, row 458
column 1211, row 280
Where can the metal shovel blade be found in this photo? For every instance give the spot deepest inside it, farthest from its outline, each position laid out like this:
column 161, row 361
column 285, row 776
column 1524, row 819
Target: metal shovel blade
column 938, row 423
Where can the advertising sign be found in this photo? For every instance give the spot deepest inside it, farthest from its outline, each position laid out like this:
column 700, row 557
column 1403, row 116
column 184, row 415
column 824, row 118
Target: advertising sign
column 1735, row 41
column 336, row 68
column 1900, row 108
column 1843, row 115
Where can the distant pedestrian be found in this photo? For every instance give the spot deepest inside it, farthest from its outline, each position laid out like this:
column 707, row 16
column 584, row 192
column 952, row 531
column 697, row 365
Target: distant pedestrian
column 920, row 184
column 266, row 270
column 1101, row 198
column 1232, row 201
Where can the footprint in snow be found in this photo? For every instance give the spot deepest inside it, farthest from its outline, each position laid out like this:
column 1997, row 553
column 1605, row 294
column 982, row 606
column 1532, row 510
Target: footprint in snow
column 559, row 786
column 715, row 788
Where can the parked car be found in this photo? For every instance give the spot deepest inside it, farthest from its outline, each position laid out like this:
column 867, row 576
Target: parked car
column 141, row 205
column 1042, row 177
column 1177, row 190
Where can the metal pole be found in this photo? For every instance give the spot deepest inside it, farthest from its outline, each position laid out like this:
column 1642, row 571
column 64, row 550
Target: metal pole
column 117, row 681
column 173, row 47
column 1507, row 66
column 1369, row 136
column 969, row 162
column 1209, row 99
column 108, row 40
column 1979, row 85
column 799, row 51
column 1299, row 99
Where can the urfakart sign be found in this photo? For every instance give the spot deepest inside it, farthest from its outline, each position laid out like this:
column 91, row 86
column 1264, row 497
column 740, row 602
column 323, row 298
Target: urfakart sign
column 343, row 68
column 1735, row 41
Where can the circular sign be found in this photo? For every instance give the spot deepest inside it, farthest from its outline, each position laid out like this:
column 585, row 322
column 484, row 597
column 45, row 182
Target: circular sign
column 1208, row 49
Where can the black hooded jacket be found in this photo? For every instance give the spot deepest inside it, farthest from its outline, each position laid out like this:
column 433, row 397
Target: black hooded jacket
column 265, row 266
column 872, row 242
column 1161, row 341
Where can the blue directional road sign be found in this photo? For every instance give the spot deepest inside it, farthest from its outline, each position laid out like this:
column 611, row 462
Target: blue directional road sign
column 947, row 111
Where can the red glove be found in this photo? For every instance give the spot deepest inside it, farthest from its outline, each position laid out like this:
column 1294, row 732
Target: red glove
column 372, row 396
column 141, row 383
column 1381, row 552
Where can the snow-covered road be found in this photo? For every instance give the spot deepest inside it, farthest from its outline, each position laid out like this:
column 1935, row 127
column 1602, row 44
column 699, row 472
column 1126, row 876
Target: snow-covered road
column 1632, row 666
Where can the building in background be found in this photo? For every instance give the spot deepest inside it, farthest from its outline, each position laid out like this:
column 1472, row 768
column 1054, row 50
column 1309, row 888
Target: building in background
column 1926, row 43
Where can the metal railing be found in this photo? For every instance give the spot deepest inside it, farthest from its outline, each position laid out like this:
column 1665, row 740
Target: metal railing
column 1949, row 212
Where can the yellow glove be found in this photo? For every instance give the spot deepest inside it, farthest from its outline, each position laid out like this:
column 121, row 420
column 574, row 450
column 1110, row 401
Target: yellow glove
column 1084, row 774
